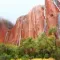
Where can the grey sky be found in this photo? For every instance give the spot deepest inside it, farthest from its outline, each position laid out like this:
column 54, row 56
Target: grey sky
column 12, row 9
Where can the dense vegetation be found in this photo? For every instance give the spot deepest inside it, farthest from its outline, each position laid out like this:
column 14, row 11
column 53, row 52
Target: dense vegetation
column 41, row 47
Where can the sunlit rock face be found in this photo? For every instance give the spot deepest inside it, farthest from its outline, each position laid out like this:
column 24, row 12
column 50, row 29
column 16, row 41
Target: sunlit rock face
column 51, row 14
column 19, row 31
column 12, row 34
column 36, row 21
column 3, row 30
column 4, row 27
column 30, row 25
column 24, row 27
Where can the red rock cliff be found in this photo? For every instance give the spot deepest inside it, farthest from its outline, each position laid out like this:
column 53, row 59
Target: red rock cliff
column 4, row 26
column 3, row 30
column 33, row 24
column 36, row 21
column 51, row 14
column 30, row 25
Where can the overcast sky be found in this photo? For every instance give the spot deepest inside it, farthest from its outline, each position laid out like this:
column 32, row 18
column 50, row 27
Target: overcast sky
column 12, row 9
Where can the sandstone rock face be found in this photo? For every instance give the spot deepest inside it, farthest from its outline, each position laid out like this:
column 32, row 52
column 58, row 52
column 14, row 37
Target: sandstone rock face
column 19, row 31
column 51, row 14
column 2, row 31
column 36, row 21
column 12, row 35
column 30, row 25
column 4, row 26
column 25, row 26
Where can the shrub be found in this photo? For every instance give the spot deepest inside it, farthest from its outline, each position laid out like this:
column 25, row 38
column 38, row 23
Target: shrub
column 57, row 54
column 8, row 51
column 27, row 47
column 2, row 49
column 45, row 46
column 41, row 47
column 52, row 30
column 11, row 50
column 25, row 57
column 4, row 56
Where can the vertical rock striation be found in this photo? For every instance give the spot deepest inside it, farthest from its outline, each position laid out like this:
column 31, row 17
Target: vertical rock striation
column 36, row 21
column 33, row 24
column 30, row 25
column 4, row 27
column 51, row 14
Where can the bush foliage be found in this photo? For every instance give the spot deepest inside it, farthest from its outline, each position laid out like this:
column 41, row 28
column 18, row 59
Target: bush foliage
column 41, row 47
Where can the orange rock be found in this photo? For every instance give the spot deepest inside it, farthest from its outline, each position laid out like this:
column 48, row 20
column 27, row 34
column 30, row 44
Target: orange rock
column 13, row 34
column 2, row 32
column 51, row 14
column 4, row 26
column 30, row 25
column 36, row 21
column 19, row 31
column 33, row 24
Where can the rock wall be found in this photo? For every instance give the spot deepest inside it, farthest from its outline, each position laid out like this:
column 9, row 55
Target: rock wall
column 30, row 25
column 4, row 27
column 51, row 14
column 34, row 23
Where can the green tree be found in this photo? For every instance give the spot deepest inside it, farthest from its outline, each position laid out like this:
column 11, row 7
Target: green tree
column 27, row 47
column 45, row 46
column 52, row 30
